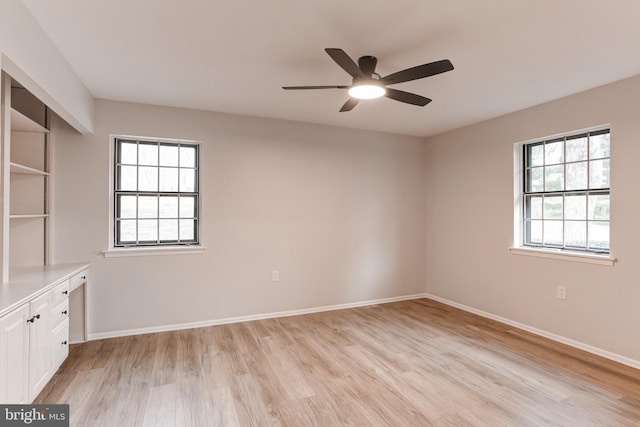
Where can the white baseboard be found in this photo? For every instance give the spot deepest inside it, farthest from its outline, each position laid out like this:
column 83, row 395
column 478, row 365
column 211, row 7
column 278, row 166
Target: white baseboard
column 563, row 340
column 214, row 322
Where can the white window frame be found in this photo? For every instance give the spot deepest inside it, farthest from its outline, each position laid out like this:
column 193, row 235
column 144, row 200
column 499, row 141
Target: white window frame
column 518, row 247
column 146, row 250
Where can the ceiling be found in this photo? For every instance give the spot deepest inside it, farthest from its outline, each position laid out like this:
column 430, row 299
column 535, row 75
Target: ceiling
column 234, row 56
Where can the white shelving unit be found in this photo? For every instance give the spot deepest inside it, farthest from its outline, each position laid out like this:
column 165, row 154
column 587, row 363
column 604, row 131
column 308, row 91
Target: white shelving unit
column 26, row 176
column 38, row 310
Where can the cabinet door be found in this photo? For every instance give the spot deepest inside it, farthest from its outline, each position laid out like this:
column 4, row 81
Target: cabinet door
column 14, row 357
column 41, row 360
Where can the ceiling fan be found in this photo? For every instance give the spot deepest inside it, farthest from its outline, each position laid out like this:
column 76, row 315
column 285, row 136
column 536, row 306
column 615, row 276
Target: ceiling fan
column 367, row 84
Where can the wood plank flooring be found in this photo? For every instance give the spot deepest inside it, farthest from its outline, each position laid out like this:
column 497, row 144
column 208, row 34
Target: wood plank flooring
column 411, row 363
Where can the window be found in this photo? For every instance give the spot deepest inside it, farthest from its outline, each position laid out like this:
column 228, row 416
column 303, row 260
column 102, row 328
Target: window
column 156, row 192
column 565, row 193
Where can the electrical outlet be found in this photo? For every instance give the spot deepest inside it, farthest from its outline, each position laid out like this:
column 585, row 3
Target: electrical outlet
column 275, row 275
column 562, row 292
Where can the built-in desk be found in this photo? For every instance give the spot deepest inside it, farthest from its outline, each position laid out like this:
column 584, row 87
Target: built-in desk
column 26, row 283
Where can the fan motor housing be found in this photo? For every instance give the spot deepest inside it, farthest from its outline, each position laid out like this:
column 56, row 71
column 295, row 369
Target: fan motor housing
column 368, row 64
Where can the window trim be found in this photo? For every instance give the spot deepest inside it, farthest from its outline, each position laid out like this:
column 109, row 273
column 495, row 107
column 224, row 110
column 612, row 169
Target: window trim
column 153, row 250
column 162, row 249
column 564, row 255
column 518, row 247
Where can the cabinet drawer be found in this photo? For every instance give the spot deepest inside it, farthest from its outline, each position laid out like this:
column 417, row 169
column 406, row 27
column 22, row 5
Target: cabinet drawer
column 78, row 279
column 60, row 293
column 60, row 313
column 60, row 344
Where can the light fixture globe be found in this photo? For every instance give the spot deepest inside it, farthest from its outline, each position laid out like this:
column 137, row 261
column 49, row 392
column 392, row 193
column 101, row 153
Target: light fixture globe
column 367, row 90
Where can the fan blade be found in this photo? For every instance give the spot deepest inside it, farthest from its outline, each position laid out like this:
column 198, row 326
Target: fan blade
column 406, row 97
column 348, row 106
column 343, row 60
column 313, row 87
column 419, row 72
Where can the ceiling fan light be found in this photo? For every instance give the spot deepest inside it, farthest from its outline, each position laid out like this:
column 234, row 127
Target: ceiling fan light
column 366, row 91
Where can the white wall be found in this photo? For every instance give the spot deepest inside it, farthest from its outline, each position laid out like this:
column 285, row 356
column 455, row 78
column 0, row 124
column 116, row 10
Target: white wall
column 30, row 57
column 340, row 213
column 470, row 202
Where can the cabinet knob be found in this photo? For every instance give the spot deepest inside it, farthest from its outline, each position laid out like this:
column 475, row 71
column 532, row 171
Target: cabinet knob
column 65, row 292
column 64, row 342
column 84, row 277
column 64, row 312
column 33, row 319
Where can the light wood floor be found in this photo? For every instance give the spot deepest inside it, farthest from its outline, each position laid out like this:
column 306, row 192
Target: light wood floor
column 413, row 363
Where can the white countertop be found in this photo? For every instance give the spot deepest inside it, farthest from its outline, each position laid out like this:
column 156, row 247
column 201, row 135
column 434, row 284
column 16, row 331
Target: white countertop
column 25, row 283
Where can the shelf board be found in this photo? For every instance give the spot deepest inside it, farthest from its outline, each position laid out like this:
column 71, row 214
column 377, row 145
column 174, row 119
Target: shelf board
column 22, row 123
column 26, row 170
column 27, row 216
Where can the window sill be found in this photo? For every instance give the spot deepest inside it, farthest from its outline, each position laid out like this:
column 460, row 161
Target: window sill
column 153, row 251
column 565, row 255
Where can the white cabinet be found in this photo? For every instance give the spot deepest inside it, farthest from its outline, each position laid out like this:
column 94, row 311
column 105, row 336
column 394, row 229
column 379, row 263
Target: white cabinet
column 25, row 350
column 34, row 341
column 14, row 360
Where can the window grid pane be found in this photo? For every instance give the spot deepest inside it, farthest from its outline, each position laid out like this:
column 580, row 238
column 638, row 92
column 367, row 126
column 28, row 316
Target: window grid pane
column 566, row 192
column 153, row 204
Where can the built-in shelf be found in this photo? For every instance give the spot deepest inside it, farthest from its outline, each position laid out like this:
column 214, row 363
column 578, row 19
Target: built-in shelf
column 26, row 197
column 22, row 123
column 26, row 170
column 27, row 216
